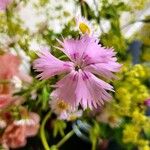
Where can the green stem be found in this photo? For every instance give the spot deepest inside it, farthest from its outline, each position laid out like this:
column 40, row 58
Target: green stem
column 62, row 141
column 42, row 131
column 33, row 87
column 94, row 145
column 9, row 22
column 84, row 10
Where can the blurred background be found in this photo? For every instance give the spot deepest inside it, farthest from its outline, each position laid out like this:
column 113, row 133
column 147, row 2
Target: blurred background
column 124, row 124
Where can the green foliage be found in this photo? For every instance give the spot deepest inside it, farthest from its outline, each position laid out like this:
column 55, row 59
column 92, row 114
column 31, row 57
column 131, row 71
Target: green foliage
column 94, row 134
column 59, row 127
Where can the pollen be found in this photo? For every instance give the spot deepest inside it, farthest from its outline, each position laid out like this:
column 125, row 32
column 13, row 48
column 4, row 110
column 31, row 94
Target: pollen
column 84, row 28
column 62, row 105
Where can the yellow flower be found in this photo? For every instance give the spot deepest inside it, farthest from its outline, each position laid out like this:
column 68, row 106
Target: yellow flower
column 131, row 133
column 142, row 143
column 138, row 117
column 146, row 147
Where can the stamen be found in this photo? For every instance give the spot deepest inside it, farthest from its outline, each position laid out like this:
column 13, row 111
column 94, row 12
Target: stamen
column 77, row 68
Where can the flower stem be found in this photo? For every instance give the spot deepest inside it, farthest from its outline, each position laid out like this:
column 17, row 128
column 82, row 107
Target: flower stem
column 94, row 146
column 62, row 141
column 84, row 10
column 42, row 131
column 33, row 87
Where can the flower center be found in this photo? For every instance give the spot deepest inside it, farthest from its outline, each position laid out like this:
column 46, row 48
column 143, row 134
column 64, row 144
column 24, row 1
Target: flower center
column 77, row 67
column 112, row 119
column 84, row 28
column 62, row 105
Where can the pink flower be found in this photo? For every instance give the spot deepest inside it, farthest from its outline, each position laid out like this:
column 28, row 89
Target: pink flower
column 15, row 134
column 5, row 100
column 4, row 4
column 11, row 69
column 80, row 86
column 9, row 66
column 147, row 102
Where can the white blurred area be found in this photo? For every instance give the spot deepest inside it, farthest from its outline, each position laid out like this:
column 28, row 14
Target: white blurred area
column 130, row 29
column 33, row 16
column 51, row 17
column 48, row 13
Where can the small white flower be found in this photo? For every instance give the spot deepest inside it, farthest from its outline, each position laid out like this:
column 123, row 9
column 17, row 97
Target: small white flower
column 3, row 124
column 17, row 82
column 112, row 120
column 84, row 26
column 64, row 111
column 59, row 106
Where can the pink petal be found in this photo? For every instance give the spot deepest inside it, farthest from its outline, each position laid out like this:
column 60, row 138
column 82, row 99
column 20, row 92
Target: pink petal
column 49, row 65
column 8, row 70
column 14, row 136
column 32, row 130
column 5, row 100
column 104, row 69
column 65, row 89
column 73, row 48
column 91, row 91
column 3, row 4
column 82, row 88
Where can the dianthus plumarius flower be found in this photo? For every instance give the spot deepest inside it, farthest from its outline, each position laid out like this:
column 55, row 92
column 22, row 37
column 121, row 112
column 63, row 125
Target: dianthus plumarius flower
column 88, row 61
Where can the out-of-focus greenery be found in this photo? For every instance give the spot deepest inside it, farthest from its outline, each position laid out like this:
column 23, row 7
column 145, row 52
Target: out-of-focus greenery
column 126, row 121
